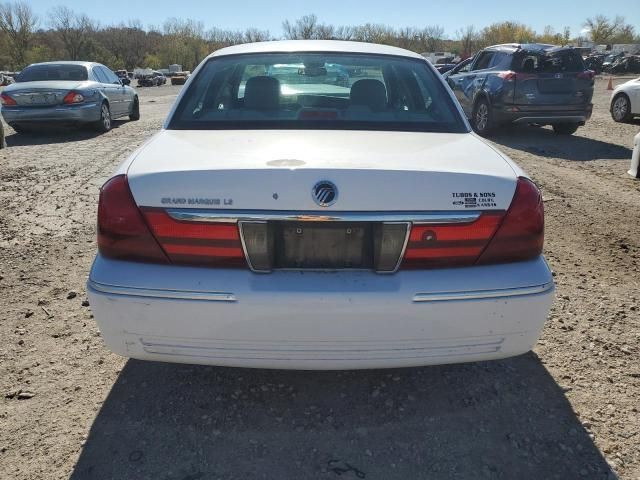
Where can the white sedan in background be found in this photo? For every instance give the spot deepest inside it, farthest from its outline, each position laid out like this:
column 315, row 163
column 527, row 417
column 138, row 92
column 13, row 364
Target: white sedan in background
column 335, row 227
column 625, row 101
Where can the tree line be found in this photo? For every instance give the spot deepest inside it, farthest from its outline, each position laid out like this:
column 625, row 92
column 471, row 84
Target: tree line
column 63, row 34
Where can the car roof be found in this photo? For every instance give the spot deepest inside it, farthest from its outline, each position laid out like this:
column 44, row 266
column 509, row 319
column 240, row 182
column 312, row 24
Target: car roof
column 66, row 62
column 527, row 47
column 324, row 46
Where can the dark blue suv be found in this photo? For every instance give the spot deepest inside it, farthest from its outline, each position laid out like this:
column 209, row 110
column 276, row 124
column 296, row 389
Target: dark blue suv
column 525, row 83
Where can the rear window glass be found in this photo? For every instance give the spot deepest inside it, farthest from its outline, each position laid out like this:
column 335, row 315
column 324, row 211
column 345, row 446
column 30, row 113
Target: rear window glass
column 547, row 62
column 39, row 73
column 313, row 90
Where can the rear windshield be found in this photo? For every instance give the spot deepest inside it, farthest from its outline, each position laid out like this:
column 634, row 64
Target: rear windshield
column 313, row 90
column 547, row 62
column 39, row 73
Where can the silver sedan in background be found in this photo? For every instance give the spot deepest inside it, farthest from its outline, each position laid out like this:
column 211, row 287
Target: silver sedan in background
column 78, row 93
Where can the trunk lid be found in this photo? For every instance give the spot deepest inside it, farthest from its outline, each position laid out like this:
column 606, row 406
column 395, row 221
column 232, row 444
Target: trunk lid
column 46, row 93
column 278, row 169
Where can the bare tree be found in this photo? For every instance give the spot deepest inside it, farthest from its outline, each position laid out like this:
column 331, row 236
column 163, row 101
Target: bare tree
column 373, row 33
column 601, row 29
column 345, row 33
column 256, row 35
column 432, row 37
column 407, row 37
column 301, row 29
column 18, row 23
column 468, row 40
column 73, row 29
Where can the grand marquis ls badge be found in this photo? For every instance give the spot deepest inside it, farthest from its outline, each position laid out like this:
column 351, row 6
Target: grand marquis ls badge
column 325, row 193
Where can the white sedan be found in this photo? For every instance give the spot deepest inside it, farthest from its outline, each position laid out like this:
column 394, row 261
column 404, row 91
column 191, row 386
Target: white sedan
column 343, row 227
column 625, row 101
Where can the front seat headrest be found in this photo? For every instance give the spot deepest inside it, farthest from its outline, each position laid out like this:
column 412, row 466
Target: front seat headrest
column 370, row 93
column 262, row 93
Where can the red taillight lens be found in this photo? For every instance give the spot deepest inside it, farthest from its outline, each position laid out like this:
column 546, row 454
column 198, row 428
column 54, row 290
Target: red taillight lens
column 587, row 74
column 72, row 97
column 450, row 245
column 122, row 231
column 206, row 244
column 521, row 234
column 150, row 234
column 508, row 76
column 495, row 237
column 7, row 100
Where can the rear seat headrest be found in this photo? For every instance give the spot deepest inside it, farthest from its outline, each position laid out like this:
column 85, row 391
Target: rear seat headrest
column 370, row 93
column 262, row 93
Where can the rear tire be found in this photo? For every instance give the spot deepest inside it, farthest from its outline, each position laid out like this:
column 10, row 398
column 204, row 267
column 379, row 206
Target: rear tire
column 565, row 128
column 104, row 124
column 135, row 110
column 482, row 118
column 621, row 108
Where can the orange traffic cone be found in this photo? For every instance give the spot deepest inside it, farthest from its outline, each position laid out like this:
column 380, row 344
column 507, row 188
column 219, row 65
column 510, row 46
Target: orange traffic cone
column 610, row 85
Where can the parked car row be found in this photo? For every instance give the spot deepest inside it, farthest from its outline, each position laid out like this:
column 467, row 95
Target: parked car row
column 510, row 83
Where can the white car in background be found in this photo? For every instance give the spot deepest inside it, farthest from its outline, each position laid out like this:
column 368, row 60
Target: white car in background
column 343, row 227
column 625, row 101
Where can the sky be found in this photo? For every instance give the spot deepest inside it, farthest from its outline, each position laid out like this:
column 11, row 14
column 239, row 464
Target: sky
column 451, row 15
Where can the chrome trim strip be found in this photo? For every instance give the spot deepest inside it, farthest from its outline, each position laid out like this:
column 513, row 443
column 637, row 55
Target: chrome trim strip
column 235, row 216
column 244, row 247
column 550, row 118
column 158, row 293
column 483, row 294
column 404, row 248
column 395, row 269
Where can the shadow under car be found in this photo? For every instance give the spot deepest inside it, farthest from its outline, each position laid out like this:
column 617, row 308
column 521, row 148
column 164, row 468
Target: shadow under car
column 503, row 419
column 545, row 143
column 52, row 134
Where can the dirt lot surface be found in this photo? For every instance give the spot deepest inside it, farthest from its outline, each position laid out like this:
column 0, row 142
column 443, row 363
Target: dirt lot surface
column 70, row 408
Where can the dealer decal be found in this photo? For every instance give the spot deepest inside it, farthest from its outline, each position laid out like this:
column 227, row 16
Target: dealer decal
column 474, row 199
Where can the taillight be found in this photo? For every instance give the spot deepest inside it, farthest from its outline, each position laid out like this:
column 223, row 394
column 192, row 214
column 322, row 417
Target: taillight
column 72, row 97
column 587, row 74
column 495, row 237
column 7, row 100
column 508, row 75
column 511, row 76
column 122, row 231
column 521, row 233
column 194, row 243
column 450, row 245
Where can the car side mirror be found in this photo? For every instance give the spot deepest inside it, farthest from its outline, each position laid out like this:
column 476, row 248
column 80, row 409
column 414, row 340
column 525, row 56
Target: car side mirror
column 125, row 82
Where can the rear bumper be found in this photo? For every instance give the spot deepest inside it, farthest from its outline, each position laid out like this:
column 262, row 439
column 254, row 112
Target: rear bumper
column 319, row 320
column 543, row 114
column 83, row 113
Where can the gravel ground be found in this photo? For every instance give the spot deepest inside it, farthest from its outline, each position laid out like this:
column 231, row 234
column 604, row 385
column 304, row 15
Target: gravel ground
column 71, row 409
